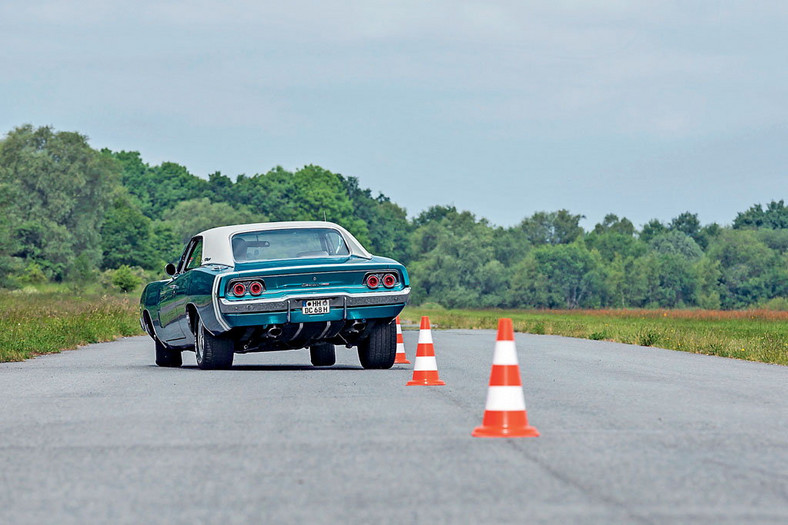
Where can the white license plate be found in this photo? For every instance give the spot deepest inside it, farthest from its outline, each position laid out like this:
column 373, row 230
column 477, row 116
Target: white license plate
column 314, row 307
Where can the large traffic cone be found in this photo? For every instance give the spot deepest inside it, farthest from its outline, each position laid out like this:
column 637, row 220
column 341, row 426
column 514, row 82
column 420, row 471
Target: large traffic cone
column 504, row 413
column 425, row 371
column 402, row 359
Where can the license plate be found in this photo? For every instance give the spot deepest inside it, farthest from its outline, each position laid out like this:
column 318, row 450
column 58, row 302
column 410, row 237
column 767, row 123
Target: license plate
column 316, row 306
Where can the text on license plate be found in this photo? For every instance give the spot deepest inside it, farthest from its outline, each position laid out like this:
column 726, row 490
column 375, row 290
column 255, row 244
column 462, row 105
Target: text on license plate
column 316, row 306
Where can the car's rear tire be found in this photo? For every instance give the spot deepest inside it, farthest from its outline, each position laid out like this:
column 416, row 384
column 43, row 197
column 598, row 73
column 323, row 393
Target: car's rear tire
column 213, row 353
column 167, row 357
column 323, row 354
column 380, row 349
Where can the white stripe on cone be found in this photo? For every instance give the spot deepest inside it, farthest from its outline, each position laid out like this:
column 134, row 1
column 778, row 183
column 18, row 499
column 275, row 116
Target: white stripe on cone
column 425, row 337
column 424, row 363
column 505, row 399
column 505, row 353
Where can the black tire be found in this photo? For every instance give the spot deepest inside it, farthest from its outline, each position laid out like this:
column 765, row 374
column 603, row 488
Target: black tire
column 167, row 357
column 213, row 353
column 380, row 349
column 322, row 354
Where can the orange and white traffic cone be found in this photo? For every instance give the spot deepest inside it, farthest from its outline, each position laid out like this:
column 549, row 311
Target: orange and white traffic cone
column 425, row 371
column 402, row 358
column 504, row 413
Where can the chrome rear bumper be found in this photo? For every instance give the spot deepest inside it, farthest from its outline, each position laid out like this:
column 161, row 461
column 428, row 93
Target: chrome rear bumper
column 291, row 302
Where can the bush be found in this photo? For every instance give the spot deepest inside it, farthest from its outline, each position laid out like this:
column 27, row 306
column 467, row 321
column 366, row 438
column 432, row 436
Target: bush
column 777, row 303
column 432, row 306
column 32, row 274
column 125, row 279
column 648, row 337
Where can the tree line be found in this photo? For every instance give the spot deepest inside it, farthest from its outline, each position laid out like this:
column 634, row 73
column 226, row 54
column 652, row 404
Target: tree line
column 70, row 211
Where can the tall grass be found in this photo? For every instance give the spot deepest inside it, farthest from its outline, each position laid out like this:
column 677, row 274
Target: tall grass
column 35, row 321
column 54, row 318
column 755, row 335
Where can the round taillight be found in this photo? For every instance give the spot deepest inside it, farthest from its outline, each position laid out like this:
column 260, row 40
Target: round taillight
column 389, row 280
column 239, row 289
column 255, row 288
column 373, row 281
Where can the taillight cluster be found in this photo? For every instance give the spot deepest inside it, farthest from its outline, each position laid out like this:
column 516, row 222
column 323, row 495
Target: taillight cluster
column 241, row 288
column 374, row 280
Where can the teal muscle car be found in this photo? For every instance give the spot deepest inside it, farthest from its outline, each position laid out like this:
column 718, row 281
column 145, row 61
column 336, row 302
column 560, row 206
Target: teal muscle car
column 275, row 286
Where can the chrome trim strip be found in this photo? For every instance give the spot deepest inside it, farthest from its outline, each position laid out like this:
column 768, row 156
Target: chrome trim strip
column 283, row 303
column 308, row 297
column 215, row 299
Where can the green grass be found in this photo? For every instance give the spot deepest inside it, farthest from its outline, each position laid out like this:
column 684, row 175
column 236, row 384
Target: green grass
column 755, row 335
column 52, row 318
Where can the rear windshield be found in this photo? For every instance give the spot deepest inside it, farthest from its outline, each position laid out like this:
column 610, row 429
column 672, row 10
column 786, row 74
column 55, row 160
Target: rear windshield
column 288, row 244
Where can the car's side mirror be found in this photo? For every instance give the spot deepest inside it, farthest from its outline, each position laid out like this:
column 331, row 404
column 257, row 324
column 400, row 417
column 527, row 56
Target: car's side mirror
column 170, row 269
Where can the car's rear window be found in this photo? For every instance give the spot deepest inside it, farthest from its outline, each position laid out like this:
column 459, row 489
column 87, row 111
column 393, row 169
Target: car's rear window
column 288, row 244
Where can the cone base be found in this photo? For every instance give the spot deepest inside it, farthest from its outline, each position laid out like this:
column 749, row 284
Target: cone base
column 425, row 382
column 503, row 432
column 401, row 361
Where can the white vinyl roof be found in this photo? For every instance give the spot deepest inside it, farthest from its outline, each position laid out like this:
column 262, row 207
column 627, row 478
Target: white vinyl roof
column 217, row 248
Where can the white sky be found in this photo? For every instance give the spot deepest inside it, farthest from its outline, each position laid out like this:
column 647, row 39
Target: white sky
column 643, row 109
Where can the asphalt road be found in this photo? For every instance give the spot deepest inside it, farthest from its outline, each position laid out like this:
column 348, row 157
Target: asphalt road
column 629, row 435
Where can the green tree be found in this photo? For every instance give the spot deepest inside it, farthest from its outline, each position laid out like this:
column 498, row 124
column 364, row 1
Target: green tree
column 615, row 237
column 612, row 224
column 58, row 189
column 775, row 217
column 708, row 278
column 221, row 188
column 456, row 267
column 676, row 243
column 751, row 272
column 311, row 193
column 671, row 280
column 8, row 264
column 387, row 223
column 126, row 236
column 558, row 227
column 561, row 276
column 625, row 286
column 190, row 217
column 651, row 229
column 669, row 271
column 511, row 245
column 166, row 244
column 158, row 188
column 689, row 224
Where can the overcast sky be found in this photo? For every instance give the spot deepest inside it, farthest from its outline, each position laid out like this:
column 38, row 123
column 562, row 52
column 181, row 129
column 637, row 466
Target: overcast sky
column 645, row 109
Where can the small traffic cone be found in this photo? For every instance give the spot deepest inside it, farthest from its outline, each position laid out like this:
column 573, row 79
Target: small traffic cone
column 402, row 359
column 425, row 371
column 504, row 413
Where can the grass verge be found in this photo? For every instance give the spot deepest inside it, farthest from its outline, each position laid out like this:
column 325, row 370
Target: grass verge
column 34, row 322
column 755, row 335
